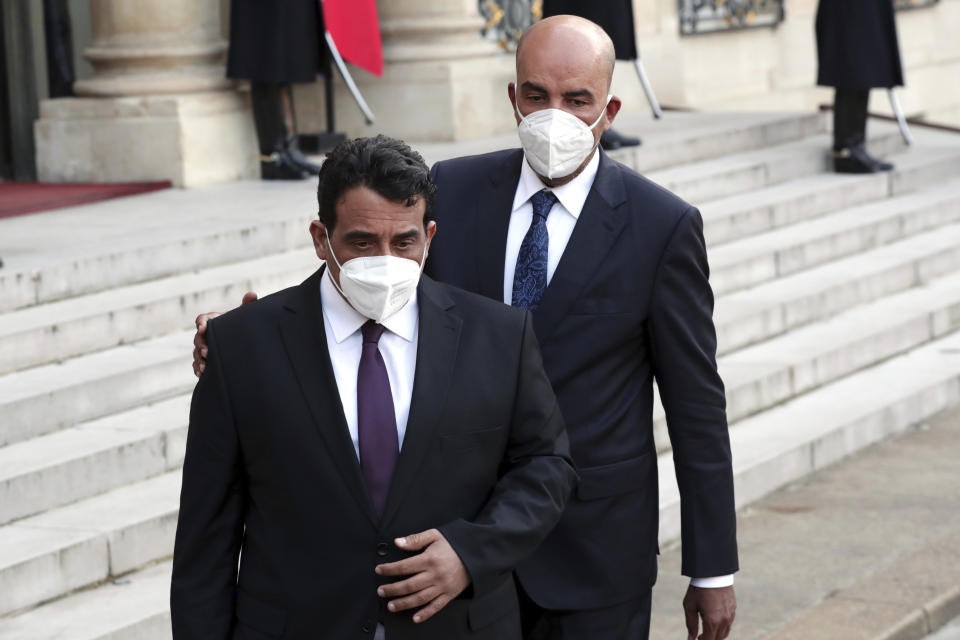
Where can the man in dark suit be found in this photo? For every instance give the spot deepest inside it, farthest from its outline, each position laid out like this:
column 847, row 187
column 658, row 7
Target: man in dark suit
column 377, row 449
column 615, row 271
column 625, row 299
column 857, row 51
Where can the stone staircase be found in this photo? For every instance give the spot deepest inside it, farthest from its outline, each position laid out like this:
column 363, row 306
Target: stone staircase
column 838, row 309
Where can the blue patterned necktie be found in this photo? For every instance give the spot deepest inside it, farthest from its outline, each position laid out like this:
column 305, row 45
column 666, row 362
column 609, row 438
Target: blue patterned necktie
column 530, row 276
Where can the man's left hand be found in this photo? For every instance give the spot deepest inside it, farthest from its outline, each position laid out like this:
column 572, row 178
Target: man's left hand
column 437, row 575
column 717, row 607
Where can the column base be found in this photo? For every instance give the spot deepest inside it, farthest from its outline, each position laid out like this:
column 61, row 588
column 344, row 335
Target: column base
column 422, row 101
column 191, row 139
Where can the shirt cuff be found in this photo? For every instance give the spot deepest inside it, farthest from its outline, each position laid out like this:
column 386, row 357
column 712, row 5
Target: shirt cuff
column 712, row 583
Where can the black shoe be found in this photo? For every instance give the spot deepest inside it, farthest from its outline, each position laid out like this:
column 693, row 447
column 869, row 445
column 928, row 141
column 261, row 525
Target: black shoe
column 612, row 139
column 298, row 159
column 855, row 159
column 279, row 166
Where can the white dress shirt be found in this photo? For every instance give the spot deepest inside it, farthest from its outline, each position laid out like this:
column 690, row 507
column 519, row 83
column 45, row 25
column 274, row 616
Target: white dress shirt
column 398, row 346
column 560, row 223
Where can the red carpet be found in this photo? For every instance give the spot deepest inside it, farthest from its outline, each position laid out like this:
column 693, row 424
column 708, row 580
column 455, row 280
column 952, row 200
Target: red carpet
column 28, row 197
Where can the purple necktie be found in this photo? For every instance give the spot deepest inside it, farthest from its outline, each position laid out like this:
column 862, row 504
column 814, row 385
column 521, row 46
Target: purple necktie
column 376, row 421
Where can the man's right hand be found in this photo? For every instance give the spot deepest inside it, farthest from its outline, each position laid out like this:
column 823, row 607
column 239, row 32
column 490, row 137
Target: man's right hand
column 199, row 338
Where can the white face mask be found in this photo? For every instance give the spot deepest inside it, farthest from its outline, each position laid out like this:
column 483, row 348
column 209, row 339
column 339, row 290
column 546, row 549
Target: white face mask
column 378, row 286
column 556, row 142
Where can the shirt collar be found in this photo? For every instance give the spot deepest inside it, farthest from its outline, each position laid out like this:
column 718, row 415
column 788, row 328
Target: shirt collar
column 571, row 195
column 344, row 320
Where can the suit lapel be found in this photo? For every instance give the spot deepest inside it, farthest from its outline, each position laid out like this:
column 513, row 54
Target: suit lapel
column 436, row 356
column 305, row 341
column 599, row 224
column 492, row 223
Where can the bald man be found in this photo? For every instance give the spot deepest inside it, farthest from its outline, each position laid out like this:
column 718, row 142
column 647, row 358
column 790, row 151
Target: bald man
column 614, row 269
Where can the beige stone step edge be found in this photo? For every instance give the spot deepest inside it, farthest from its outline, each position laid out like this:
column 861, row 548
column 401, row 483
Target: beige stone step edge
column 134, row 606
column 97, row 272
column 93, row 273
column 906, row 600
column 810, row 432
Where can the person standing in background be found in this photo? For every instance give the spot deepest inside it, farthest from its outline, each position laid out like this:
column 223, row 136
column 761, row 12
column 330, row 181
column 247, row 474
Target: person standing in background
column 275, row 44
column 857, row 51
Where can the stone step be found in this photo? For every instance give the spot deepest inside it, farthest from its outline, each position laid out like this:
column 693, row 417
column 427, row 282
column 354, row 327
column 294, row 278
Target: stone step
column 811, row 197
column 91, row 248
column 134, row 608
column 781, row 252
column 692, row 138
column 66, row 328
column 812, row 431
column 761, row 312
column 43, row 399
column 54, row 553
column 678, row 138
column 733, row 174
column 118, row 242
column 87, row 459
column 769, row 373
column 765, row 374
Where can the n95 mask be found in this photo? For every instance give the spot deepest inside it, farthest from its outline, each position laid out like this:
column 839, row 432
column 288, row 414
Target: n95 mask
column 378, row 286
column 556, row 142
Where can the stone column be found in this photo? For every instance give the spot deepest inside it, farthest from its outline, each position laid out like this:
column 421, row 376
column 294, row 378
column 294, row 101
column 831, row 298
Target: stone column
column 441, row 79
column 159, row 106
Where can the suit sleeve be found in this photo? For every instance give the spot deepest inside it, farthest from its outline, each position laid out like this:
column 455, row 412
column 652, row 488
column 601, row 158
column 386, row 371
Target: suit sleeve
column 684, row 345
column 210, row 527
column 536, row 479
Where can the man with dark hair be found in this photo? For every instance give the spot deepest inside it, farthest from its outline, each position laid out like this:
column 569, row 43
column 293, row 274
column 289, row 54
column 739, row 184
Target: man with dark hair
column 385, row 165
column 377, row 451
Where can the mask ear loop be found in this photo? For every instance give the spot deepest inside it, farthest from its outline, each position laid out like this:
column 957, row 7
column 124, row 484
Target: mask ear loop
column 423, row 257
column 603, row 111
column 337, row 262
column 516, row 107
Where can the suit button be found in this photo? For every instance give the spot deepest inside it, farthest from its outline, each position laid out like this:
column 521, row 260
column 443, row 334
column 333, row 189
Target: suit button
column 382, row 549
column 369, row 626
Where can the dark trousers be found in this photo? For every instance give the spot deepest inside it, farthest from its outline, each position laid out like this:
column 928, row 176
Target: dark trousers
column 849, row 118
column 628, row 620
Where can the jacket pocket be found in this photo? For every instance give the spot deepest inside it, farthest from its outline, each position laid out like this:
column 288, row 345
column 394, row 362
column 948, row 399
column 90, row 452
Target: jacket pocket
column 492, row 606
column 259, row 615
column 468, row 440
column 614, row 479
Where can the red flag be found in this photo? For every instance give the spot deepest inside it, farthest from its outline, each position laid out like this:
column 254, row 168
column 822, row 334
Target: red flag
column 355, row 30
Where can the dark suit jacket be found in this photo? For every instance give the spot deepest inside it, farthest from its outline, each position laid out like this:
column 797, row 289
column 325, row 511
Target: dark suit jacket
column 629, row 301
column 270, row 470
column 857, row 44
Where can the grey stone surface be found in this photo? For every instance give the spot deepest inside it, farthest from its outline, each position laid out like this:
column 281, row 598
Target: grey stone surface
column 838, row 528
